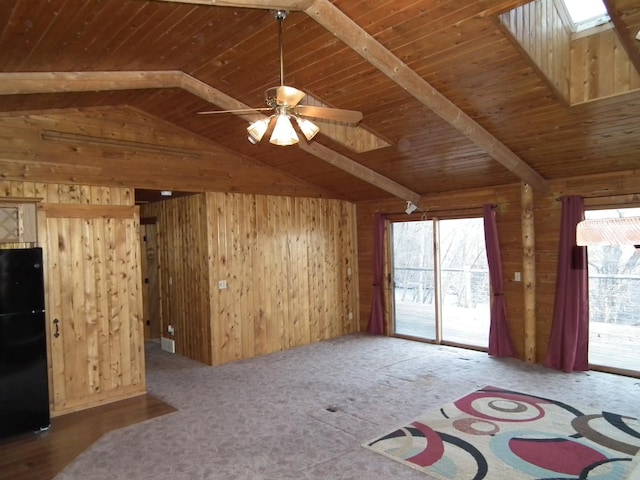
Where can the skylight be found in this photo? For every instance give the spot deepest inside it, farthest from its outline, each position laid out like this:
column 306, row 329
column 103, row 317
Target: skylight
column 586, row 14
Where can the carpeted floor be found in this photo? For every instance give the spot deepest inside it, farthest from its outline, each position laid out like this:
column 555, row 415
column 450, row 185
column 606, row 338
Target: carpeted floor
column 304, row 413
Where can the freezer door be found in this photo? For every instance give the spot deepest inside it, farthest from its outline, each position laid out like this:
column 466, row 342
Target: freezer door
column 24, row 396
column 21, row 280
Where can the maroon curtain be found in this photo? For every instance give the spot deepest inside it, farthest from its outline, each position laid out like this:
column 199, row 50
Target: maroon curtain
column 499, row 341
column 569, row 341
column 376, row 318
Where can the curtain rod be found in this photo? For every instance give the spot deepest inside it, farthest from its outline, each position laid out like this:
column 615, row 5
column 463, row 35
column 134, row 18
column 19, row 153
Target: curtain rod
column 601, row 195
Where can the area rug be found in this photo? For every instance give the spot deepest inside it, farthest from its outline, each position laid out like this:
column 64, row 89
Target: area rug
column 498, row 434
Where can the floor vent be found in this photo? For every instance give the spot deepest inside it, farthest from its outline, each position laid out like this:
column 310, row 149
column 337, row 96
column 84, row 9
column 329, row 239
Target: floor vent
column 168, row 345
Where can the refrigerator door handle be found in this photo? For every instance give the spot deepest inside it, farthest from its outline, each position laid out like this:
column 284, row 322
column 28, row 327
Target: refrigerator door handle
column 56, row 323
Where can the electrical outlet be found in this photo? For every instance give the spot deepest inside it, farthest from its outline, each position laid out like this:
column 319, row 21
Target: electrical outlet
column 222, row 284
column 517, row 277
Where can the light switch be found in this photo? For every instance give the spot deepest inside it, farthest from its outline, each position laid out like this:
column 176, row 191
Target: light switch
column 222, row 284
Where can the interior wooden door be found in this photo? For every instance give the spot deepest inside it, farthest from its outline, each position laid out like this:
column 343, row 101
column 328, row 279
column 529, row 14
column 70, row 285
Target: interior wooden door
column 94, row 305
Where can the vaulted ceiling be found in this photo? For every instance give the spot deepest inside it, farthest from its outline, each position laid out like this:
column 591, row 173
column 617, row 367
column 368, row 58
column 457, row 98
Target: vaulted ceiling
column 459, row 102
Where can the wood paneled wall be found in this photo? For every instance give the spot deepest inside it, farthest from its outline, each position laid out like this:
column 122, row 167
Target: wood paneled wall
column 89, row 236
column 580, row 67
column 600, row 67
column 124, row 146
column 454, row 204
column 184, row 260
column 289, row 265
column 620, row 189
column 538, row 29
column 613, row 190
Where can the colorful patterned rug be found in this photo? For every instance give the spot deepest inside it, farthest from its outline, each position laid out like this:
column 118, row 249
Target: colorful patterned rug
column 499, row 434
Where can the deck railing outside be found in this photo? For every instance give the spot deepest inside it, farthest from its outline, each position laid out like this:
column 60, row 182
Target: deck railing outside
column 612, row 343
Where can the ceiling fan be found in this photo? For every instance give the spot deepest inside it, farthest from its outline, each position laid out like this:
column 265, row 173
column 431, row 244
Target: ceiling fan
column 284, row 102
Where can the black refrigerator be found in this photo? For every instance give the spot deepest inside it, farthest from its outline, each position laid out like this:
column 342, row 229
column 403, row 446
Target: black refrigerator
column 24, row 395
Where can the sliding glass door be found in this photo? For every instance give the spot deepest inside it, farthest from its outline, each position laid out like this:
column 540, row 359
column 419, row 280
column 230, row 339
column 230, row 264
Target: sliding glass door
column 441, row 281
column 614, row 300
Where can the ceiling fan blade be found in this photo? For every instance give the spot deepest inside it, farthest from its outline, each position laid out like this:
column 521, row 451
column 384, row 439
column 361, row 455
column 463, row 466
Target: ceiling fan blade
column 241, row 110
column 289, row 96
column 326, row 113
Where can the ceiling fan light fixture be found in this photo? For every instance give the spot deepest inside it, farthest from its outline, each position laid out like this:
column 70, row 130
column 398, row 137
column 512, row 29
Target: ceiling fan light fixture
column 283, row 132
column 257, row 130
column 308, row 128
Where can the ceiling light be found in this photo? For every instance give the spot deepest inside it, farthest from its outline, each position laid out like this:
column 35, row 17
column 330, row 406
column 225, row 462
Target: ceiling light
column 307, row 127
column 283, row 132
column 257, row 130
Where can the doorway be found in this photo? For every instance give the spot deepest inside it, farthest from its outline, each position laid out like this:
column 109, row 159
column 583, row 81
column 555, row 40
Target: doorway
column 440, row 279
column 614, row 303
column 150, row 280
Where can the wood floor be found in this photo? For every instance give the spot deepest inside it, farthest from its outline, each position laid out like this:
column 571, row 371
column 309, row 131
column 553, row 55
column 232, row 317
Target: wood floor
column 42, row 456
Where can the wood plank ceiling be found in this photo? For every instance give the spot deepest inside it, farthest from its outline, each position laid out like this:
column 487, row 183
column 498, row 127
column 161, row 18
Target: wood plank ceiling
column 510, row 124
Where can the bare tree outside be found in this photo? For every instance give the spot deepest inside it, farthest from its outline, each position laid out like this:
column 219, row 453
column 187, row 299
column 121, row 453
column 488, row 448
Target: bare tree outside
column 464, row 279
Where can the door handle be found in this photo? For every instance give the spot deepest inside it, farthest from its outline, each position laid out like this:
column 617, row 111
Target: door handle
column 56, row 322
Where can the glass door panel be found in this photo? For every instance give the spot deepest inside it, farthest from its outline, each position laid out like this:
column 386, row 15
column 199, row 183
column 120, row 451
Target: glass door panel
column 413, row 279
column 614, row 300
column 464, row 274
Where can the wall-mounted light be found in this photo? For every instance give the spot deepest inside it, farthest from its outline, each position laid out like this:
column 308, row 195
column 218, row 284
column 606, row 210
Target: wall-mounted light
column 411, row 207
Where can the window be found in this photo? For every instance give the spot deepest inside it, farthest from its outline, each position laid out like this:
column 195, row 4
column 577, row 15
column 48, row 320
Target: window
column 583, row 14
column 614, row 300
column 18, row 222
column 441, row 281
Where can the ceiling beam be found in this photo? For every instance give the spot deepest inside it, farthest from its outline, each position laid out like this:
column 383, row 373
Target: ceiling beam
column 19, row 83
column 210, row 94
column 350, row 33
column 60, row 82
column 292, row 5
column 336, row 22
column 360, row 171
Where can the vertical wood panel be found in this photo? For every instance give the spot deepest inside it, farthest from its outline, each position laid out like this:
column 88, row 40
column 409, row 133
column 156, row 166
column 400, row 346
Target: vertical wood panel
column 285, row 261
column 581, row 67
column 600, row 67
column 538, row 28
column 92, row 300
column 185, row 278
